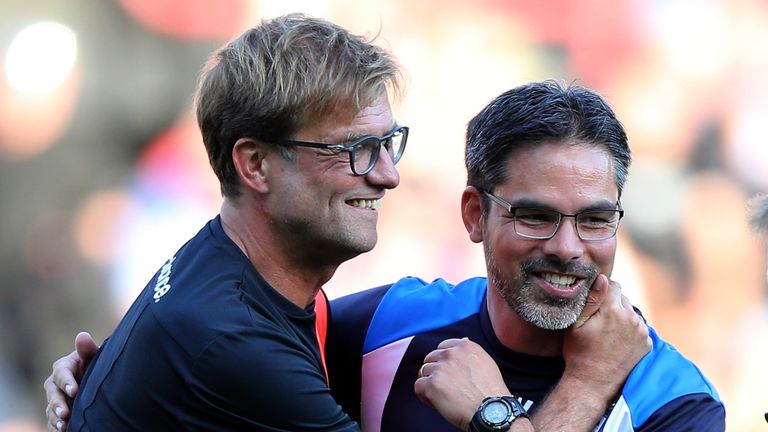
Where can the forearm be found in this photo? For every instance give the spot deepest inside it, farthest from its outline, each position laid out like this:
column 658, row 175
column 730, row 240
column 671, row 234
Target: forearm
column 570, row 407
column 522, row 425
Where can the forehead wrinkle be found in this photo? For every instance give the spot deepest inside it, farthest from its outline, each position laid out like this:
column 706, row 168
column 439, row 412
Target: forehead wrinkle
column 354, row 122
column 343, row 130
column 560, row 177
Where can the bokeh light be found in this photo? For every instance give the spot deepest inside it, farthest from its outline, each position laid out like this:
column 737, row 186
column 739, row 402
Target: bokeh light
column 41, row 57
column 97, row 223
column 39, row 92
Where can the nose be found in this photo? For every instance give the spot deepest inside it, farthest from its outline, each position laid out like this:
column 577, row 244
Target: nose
column 384, row 173
column 565, row 244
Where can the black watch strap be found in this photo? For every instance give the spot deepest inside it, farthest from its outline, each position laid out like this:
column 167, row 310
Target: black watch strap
column 497, row 414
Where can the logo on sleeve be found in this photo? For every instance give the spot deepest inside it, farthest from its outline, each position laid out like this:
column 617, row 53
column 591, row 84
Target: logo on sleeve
column 163, row 283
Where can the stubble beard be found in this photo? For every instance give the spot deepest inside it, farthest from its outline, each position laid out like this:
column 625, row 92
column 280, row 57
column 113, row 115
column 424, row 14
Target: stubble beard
column 535, row 305
column 321, row 244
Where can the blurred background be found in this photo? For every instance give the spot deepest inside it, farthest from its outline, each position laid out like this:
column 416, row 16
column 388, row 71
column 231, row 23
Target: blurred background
column 103, row 174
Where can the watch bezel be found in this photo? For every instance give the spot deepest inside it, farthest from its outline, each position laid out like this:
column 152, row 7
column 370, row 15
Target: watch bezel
column 515, row 409
column 488, row 404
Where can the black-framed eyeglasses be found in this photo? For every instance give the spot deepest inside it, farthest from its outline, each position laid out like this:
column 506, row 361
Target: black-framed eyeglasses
column 364, row 152
column 542, row 224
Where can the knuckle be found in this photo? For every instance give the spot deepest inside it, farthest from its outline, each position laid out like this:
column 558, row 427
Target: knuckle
column 643, row 327
column 434, row 355
column 447, row 355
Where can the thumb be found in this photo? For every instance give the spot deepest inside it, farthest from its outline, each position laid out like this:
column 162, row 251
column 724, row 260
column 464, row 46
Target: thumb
column 594, row 300
column 85, row 346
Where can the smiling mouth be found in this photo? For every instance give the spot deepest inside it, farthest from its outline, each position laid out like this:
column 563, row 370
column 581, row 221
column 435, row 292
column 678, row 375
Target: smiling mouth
column 559, row 279
column 371, row 204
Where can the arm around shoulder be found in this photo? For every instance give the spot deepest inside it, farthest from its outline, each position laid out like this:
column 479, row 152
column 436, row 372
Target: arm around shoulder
column 256, row 382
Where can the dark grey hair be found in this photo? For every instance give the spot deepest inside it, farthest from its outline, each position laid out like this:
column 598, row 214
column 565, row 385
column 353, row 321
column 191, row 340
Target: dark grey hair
column 538, row 113
column 758, row 213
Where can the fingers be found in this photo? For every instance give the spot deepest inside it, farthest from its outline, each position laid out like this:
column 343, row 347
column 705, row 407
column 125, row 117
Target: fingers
column 455, row 377
column 443, row 353
column 85, row 347
column 56, row 406
column 423, row 391
column 638, row 321
column 68, row 370
column 614, row 297
column 448, row 343
column 62, row 385
column 625, row 303
column 594, row 300
column 421, row 370
column 64, row 371
column 443, row 347
column 61, row 378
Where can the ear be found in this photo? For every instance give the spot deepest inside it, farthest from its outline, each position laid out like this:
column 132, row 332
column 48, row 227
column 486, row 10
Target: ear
column 249, row 158
column 472, row 213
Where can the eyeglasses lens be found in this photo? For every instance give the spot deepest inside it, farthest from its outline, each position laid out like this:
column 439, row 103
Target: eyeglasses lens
column 366, row 153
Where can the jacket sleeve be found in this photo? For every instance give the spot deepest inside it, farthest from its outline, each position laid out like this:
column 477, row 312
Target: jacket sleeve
column 350, row 317
column 698, row 412
column 274, row 384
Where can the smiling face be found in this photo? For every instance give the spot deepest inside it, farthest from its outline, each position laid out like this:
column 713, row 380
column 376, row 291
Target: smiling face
column 547, row 282
column 329, row 214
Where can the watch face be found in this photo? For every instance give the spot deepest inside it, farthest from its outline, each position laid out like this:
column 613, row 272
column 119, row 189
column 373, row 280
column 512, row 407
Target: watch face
column 496, row 412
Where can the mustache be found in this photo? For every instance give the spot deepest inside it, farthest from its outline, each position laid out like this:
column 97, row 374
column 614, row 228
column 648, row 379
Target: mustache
column 554, row 265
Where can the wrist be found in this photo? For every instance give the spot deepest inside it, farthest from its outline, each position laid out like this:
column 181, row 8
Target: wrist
column 497, row 414
column 574, row 403
column 583, row 393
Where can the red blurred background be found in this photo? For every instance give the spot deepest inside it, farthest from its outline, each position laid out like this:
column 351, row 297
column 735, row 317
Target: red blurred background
column 103, row 173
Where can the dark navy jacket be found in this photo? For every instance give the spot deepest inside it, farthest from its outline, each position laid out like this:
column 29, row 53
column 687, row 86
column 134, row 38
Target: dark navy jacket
column 378, row 339
column 209, row 345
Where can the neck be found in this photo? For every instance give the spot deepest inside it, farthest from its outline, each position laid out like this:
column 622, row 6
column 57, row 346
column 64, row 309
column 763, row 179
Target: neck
column 296, row 280
column 516, row 333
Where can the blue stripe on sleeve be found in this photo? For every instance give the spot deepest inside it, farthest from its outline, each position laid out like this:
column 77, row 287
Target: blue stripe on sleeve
column 412, row 306
column 660, row 377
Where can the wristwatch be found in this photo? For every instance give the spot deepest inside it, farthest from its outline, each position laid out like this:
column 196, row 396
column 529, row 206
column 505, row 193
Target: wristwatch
column 497, row 414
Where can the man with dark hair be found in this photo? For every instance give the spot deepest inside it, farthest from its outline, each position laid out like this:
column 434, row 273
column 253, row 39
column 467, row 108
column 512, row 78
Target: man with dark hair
column 296, row 119
column 546, row 166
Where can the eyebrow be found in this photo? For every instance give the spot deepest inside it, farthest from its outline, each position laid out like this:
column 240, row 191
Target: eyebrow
column 533, row 203
column 354, row 136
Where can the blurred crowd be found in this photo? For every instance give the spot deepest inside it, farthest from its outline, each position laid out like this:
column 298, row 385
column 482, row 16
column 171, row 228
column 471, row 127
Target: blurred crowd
column 103, row 173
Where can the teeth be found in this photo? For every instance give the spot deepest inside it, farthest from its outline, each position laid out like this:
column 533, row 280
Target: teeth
column 559, row 279
column 366, row 203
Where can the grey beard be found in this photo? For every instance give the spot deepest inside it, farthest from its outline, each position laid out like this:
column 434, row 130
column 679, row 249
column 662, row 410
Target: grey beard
column 533, row 305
